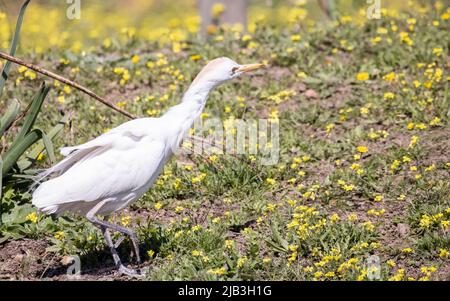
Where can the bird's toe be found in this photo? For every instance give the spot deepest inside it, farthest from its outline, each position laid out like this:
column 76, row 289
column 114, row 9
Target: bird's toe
column 123, row 270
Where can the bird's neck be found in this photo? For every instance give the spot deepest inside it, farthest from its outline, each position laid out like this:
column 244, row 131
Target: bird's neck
column 192, row 104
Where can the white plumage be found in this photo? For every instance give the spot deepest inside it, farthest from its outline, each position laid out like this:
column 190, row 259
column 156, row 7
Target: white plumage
column 119, row 166
column 109, row 172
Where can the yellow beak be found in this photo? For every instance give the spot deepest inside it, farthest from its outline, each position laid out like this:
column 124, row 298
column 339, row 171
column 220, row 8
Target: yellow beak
column 250, row 67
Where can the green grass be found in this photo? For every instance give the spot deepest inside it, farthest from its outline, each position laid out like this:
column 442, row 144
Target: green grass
column 326, row 207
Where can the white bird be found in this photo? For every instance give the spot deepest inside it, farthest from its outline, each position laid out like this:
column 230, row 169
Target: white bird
column 115, row 169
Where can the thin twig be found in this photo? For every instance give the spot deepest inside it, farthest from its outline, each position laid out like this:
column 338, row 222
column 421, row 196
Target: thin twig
column 65, row 81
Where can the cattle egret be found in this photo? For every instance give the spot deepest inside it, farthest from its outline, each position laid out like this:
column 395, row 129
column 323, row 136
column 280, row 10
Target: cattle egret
column 115, row 169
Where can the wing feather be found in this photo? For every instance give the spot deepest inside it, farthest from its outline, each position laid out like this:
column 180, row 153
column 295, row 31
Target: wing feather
column 117, row 165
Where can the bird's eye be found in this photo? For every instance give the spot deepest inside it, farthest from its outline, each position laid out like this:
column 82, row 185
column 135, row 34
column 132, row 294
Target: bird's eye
column 233, row 70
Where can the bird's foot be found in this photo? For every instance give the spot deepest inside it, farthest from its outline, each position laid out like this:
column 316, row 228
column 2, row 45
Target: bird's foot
column 123, row 270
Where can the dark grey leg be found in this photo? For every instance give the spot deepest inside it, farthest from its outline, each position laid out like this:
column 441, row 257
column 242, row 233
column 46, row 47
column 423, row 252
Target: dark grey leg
column 105, row 226
column 120, row 229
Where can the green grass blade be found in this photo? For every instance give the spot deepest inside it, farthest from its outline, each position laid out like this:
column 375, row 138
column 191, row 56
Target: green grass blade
column 49, row 147
column 10, row 115
column 14, row 43
column 39, row 148
column 1, row 190
column 1, row 182
column 32, row 114
column 19, row 149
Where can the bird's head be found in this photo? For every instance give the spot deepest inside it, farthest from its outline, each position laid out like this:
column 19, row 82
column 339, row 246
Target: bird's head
column 222, row 69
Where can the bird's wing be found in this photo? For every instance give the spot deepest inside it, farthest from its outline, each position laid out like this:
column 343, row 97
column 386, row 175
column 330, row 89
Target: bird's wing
column 134, row 130
column 117, row 170
column 116, row 174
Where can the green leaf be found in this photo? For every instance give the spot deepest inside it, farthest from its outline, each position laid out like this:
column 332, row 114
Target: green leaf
column 1, row 188
column 15, row 41
column 278, row 243
column 18, row 215
column 32, row 114
column 10, row 115
column 6, row 237
column 15, row 152
column 39, row 148
column 49, row 147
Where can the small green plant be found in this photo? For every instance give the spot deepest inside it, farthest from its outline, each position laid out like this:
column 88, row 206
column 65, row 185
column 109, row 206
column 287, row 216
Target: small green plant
column 15, row 162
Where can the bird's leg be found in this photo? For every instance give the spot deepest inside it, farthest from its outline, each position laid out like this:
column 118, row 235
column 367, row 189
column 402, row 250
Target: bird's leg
column 111, row 246
column 122, row 269
column 122, row 230
column 130, row 234
column 105, row 226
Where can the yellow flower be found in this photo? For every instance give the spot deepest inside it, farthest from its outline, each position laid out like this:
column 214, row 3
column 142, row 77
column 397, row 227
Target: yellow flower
column 195, row 57
column 125, row 220
column 270, row 181
column 198, row 178
column 271, row 207
column 430, row 168
column 217, row 10
column 59, row 235
column 389, row 95
column 352, row 217
column 349, row 187
column 414, row 140
column 266, row 260
column 362, row 149
column 404, row 37
column 334, row 218
column 246, row 38
column 445, row 224
column 389, row 77
column 378, row 198
column 218, row 271
column 401, row 197
column 196, row 228
column 67, row 89
column 213, row 158
column 376, row 212
column 107, row 43
column 437, row 51
column 368, row 226
column 22, row 69
column 398, row 276
column 362, row 76
column 301, row 75
column 443, row 253
column 355, row 166
column 229, row 243
column 391, row 263
column 407, row 250
column 382, row 30
column 364, row 110
column 375, row 40
column 241, row 261
column 40, row 157
column 32, row 217
column 295, row 38
column 196, row 253
column 135, row 59
column 435, row 122
column 150, row 253
column 158, row 205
